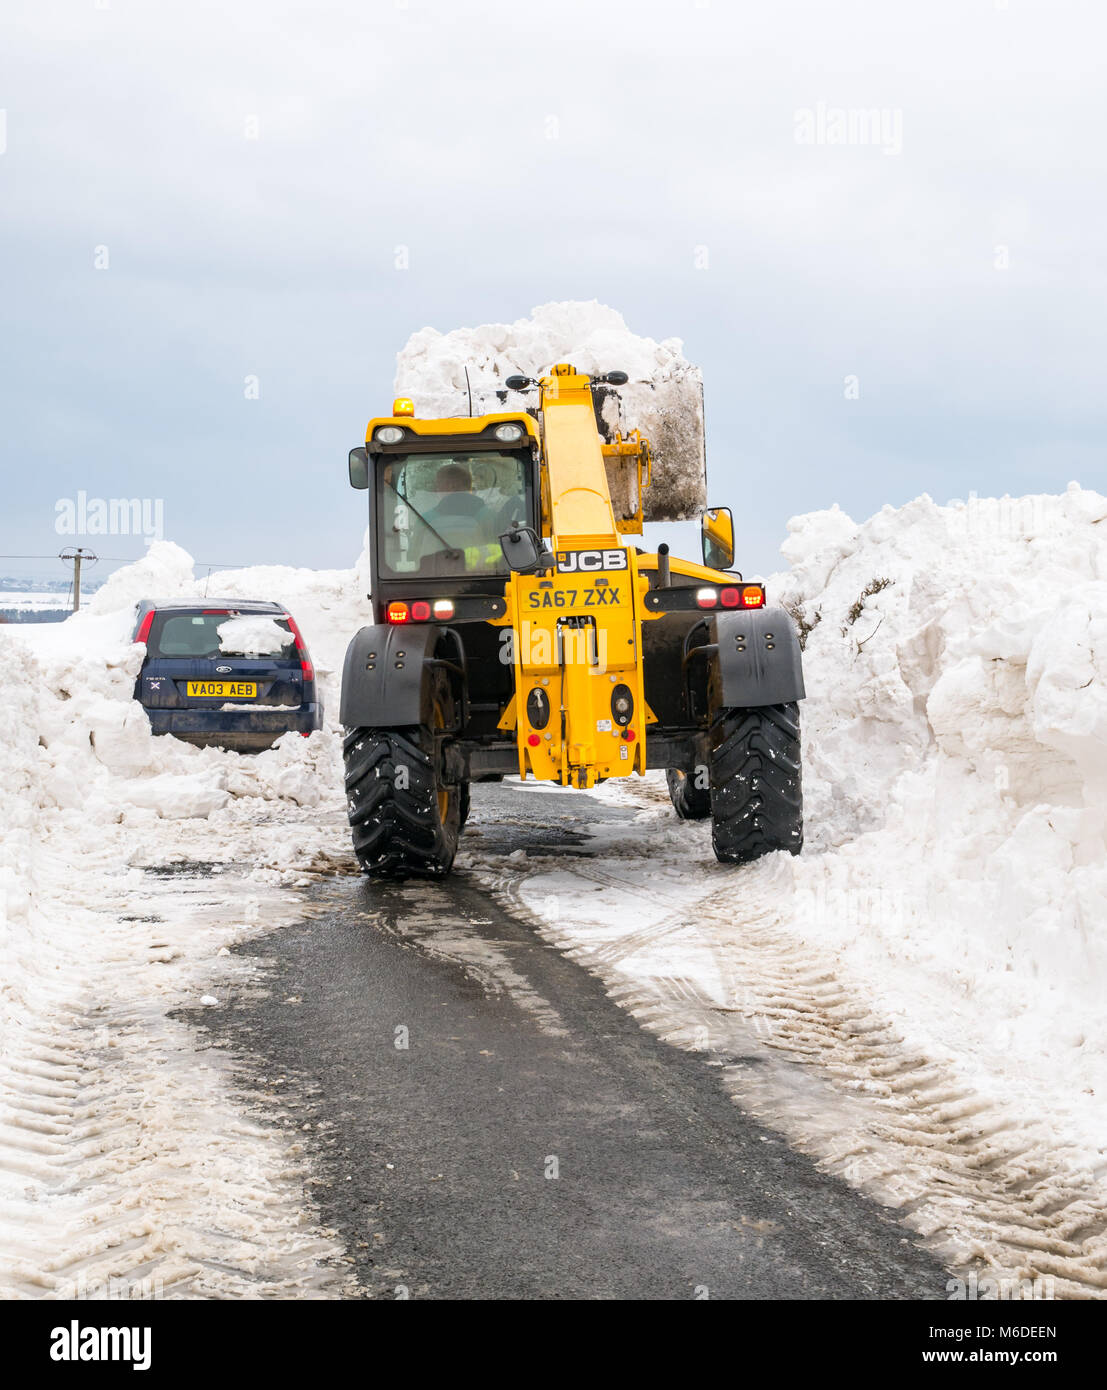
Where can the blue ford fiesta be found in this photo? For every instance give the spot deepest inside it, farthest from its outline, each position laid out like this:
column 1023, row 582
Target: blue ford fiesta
column 195, row 686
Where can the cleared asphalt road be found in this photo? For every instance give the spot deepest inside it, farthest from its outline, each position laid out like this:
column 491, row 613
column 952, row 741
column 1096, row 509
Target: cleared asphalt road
column 531, row 1140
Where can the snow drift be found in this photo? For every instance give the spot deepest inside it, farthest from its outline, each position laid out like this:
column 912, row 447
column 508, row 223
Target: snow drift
column 956, row 770
column 663, row 398
column 95, row 954
column 77, row 756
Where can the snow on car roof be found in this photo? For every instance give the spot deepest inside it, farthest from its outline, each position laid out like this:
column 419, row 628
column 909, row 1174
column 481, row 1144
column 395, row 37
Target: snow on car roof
column 238, row 604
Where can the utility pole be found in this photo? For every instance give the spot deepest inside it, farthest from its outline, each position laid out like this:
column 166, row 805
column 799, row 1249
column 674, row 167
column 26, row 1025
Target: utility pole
column 75, row 555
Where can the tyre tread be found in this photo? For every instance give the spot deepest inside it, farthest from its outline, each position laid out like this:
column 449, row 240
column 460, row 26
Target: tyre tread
column 756, row 783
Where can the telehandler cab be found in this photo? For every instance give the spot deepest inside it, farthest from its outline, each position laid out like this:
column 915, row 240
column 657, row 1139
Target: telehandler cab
column 517, row 632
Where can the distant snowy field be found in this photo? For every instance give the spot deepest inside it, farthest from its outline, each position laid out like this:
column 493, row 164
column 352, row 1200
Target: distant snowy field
column 27, row 603
column 31, row 598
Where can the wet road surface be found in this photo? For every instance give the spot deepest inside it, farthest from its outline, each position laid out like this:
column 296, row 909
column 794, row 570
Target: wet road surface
column 483, row 1122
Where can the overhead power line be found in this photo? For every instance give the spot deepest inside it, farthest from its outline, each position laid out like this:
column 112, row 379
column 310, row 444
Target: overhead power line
column 131, row 559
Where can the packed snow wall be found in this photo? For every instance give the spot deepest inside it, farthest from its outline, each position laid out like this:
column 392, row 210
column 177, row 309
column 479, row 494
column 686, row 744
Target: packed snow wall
column 955, row 751
column 663, row 396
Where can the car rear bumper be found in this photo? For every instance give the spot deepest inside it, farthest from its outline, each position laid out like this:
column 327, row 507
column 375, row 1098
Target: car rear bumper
column 239, row 728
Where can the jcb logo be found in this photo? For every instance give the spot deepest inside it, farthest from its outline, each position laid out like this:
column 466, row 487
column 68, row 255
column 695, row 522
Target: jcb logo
column 584, row 561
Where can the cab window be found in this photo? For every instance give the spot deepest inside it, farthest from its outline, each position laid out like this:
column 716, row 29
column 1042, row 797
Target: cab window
column 443, row 514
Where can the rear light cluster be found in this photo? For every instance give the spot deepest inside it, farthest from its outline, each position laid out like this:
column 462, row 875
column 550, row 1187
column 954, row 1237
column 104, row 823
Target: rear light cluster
column 747, row 596
column 143, row 633
column 421, row 611
column 301, row 650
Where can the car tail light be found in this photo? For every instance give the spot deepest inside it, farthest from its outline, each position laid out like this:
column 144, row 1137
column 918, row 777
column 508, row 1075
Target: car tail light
column 753, row 596
column 706, row 598
column 397, row 613
column 420, row 611
column 443, row 608
column 301, row 650
column 143, row 633
column 730, row 598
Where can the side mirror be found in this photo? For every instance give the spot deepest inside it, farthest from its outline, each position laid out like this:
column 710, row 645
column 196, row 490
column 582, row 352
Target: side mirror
column 523, row 551
column 359, row 468
column 717, row 538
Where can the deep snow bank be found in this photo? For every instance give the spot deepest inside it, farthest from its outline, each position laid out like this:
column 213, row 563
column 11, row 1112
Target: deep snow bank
column 77, row 756
column 956, row 766
column 663, row 398
column 90, row 800
column 94, row 956
column 19, row 779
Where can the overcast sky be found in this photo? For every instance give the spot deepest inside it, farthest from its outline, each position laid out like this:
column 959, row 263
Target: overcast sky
column 882, row 305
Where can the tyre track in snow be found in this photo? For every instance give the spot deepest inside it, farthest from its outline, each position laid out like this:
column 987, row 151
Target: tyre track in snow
column 127, row 1165
column 713, row 968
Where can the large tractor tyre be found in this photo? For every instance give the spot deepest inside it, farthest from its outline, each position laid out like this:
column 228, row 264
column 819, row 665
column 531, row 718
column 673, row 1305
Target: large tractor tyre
column 756, row 791
column 690, row 801
column 404, row 817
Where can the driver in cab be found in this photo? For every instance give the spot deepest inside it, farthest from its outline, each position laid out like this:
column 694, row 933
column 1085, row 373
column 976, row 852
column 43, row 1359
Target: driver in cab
column 455, row 484
column 462, row 517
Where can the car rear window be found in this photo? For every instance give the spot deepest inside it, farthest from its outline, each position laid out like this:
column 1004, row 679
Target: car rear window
column 194, row 634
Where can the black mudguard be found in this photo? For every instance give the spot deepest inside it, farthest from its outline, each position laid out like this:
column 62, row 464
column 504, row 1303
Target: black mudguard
column 758, row 660
column 386, row 682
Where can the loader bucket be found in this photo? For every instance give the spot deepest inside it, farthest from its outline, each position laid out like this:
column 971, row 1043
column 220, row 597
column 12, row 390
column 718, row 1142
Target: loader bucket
column 463, row 372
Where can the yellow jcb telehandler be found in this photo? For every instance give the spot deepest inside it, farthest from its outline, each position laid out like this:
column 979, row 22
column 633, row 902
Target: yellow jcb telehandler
column 518, row 632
